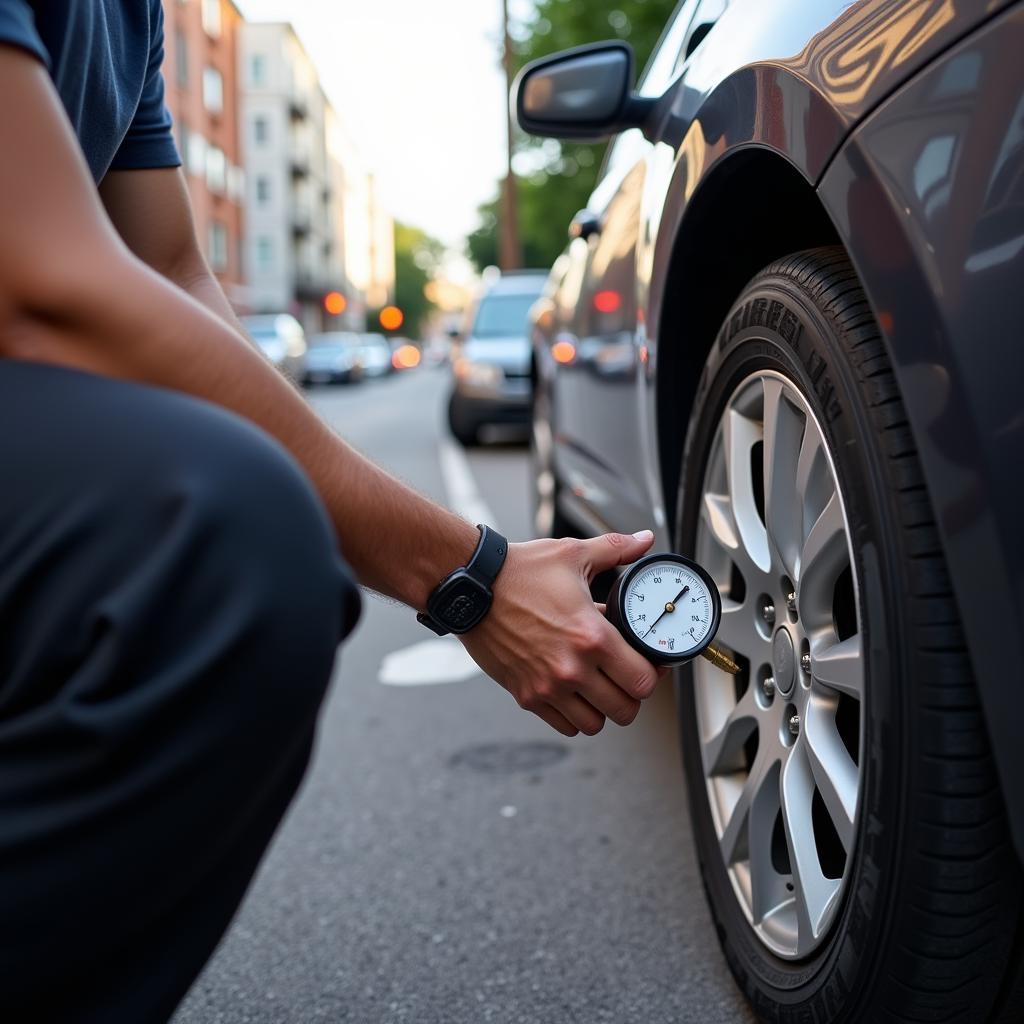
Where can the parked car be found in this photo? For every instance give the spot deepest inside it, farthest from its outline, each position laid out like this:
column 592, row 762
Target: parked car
column 375, row 355
column 491, row 361
column 283, row 341
column 334, row 358
column 788, row 333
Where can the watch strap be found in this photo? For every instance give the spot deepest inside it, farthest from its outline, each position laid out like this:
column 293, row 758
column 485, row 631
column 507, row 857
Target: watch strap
column 484, row 565
column 489, row 556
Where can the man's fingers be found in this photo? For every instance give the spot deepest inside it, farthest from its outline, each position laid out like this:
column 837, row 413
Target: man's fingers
column 557, row 720
column 608, row 698
column 628, row 669
column 581, row 714
column 612, row 549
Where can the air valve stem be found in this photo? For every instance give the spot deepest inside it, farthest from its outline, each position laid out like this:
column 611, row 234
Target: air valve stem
column 720, row 659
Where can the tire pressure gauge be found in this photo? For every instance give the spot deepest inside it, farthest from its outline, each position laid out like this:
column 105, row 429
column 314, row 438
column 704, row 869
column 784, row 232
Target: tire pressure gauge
column 667, row 607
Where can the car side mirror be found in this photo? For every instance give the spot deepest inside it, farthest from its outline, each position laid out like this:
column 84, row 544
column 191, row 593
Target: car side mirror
column 583, row 93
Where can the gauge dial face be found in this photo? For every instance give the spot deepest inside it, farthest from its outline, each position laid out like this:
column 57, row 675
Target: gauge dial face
column 670, row 608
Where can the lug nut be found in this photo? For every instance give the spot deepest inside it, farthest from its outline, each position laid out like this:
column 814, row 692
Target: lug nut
column 768, row 613
column 794, row 725
column 805, row 663
column 768, row 687
column 791, row 602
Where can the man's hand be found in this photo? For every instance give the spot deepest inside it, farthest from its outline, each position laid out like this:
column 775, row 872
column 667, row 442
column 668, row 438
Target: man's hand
column 549, row 645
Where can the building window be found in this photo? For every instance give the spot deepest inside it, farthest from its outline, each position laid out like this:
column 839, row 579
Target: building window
column 181, row 59
column 257, row 69
column 265, row 253
column 218, row 246
column 260, row 129
column 262, row 190
column 183, row 137
column 211, row 18
column 216, row 169
column 213, row 90
column 196, row 159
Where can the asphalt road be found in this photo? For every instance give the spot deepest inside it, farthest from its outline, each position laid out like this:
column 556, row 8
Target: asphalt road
column 449, row 858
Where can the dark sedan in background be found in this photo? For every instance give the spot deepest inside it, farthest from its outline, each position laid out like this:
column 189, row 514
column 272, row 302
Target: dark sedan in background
column 789, row 332
column 491, row 358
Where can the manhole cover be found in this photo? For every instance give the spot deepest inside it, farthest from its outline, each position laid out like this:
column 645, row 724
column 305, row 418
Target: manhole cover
column 502, row 758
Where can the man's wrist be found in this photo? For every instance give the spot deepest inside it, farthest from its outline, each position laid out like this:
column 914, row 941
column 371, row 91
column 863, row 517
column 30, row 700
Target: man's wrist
column 463, row 598
column 436, row 560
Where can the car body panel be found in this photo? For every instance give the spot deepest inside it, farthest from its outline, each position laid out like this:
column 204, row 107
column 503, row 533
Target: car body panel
column 791, row 81
column 792, row 77
column 928, row 195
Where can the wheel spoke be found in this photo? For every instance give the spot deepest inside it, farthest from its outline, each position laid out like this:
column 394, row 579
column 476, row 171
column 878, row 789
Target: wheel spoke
column 813, row 891
column 808, row 475
column 783, row 513
column 760, row 786
column 824, row 556
column 717, row 513
column 831, row 765
column 840, row 666
column 740, row 434
column 737, row 630
column 723, row 752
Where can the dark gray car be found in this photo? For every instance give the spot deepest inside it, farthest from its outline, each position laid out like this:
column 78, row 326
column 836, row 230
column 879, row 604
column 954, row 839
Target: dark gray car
column 789, row 333
column 491, row 359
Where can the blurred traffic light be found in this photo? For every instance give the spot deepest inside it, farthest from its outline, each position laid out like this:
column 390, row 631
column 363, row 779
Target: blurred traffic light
column 335, row 303
column 391, row 318
column 607, row 302
column 563, row 351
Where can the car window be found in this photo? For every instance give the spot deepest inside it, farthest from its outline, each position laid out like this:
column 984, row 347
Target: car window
column 655, row 80
column 707, row 14
column 501, row 316
column 660, row 70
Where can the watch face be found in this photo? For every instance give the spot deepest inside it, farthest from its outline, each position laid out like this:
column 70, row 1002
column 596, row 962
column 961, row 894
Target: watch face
column 460, row 604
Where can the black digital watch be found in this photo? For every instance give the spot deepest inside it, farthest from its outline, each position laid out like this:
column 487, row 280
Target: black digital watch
column 461, row 600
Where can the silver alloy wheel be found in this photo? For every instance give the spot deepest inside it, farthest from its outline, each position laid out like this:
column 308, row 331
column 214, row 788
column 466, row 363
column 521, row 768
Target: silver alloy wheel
column 781, row 756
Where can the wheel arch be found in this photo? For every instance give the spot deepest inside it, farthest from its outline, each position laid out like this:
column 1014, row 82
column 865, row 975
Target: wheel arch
column 753, row 207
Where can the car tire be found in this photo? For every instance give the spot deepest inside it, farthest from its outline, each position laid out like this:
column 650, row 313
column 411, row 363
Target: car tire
column 464, row 429
column 548, row 518
column 923, row 921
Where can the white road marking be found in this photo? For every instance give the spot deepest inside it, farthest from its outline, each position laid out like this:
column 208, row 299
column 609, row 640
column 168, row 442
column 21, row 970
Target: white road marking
column 428, row 663
column 463, row 496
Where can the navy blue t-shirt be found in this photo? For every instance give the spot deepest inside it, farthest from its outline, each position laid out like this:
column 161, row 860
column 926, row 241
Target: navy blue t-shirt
column 104, row 57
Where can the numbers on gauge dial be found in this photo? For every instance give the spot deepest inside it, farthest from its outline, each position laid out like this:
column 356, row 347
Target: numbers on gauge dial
column 669, row 608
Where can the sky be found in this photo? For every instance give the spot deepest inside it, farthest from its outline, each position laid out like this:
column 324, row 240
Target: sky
column 421, row 91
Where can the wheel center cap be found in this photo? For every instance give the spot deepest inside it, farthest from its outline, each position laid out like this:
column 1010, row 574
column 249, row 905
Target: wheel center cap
column 783, row 661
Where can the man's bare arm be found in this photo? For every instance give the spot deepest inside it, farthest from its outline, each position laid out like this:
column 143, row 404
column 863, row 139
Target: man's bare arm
column 72, row 293
column 152, row 213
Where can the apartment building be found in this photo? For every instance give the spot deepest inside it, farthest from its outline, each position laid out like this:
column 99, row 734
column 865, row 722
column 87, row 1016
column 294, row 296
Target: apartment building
column 313, row 222
column 201, row 85
column 292, row 257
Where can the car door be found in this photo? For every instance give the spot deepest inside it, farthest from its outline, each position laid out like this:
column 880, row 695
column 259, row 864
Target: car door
column 601, row 448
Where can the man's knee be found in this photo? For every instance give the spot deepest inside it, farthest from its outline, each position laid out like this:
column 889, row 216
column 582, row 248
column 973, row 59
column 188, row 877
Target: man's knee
column 259, row 546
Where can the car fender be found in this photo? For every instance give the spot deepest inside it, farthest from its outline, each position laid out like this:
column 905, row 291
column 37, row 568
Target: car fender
column 928, row 198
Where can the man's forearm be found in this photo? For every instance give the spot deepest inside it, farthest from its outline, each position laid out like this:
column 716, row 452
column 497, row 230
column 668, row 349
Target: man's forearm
column 206, row 290
column 121, row 319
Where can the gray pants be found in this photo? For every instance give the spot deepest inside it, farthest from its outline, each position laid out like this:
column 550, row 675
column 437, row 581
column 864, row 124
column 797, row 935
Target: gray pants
column 171, row 601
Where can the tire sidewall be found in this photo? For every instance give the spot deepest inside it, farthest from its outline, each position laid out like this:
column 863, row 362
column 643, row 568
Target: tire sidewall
column 774, row 325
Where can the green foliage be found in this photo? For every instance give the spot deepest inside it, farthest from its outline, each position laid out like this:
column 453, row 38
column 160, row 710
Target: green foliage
column 416, row 258
column 564, row 175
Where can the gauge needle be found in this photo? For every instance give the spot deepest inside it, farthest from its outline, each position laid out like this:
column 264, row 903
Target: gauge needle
column 670, row 607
